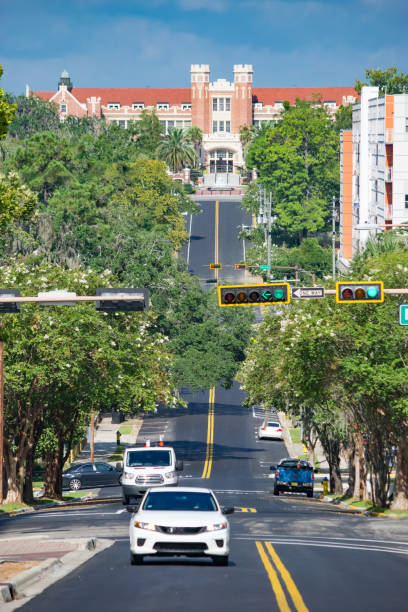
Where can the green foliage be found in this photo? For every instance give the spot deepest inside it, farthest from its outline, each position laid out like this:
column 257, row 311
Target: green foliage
column 344, row 117
column 7, row 110
column 147, row 133
column 298, row 161
column 33, row 115
column 17, row 202
column 388, row 81
column 176, row 150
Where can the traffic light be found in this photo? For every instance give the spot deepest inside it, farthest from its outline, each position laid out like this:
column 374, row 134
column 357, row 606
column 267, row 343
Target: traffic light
column 139, row 303
column 363, row 292
column 215, row 266
column 254, row 295
column 240, row 266
column 9, row 306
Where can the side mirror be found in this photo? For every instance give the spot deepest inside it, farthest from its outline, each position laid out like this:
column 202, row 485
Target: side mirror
column 119, row 466
column 272, row 467
column 179, row 465
column 228, row 510
column 132, row 508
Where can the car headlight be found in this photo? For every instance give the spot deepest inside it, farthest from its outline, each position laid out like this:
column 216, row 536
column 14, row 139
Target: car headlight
column 170, row 475
column 128, row 475
column 216, row 527
column 149, row 526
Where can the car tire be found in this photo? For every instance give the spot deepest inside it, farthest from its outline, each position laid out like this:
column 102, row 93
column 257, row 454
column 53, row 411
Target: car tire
column 309, row 493
column 136, row 559
column 75, row 484
column 221, row 561
column 275, row 491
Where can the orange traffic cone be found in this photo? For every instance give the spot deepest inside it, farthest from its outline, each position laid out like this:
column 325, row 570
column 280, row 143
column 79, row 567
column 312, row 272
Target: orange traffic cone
column 146, row 442
column 161, row 440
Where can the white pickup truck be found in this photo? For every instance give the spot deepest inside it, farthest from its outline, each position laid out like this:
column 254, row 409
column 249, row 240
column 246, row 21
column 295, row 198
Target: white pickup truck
column 146, row 467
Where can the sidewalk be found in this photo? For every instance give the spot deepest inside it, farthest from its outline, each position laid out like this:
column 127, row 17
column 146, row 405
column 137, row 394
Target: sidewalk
column 105, row 439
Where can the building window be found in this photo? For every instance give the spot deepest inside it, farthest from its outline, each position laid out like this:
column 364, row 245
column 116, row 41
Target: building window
column 221, row 126
column 256, row 123
column 215, row 126
column 138, row 105
column 221, row 104
column 278, row 104
column 227, row 104
column 185, row 106
column 228, row 126
column 330, row 104
column 215, row 104
column 122, row 123
column 163, row 124
column 406, row 200
column 406, row 124
column 187, row 124
column 63, row 108
column 113, row 105
column 170, row 125
column 163, row 106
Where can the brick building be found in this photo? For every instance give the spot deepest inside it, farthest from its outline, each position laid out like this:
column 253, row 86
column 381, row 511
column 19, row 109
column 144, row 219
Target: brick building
column 219, row 108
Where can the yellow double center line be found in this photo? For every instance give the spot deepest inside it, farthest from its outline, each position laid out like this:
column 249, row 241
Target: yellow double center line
column 273, row 565
column 217, row 216
column 210, row 435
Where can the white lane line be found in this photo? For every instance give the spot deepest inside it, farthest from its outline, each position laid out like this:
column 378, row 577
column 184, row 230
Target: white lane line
column 121, row 511
column 343, row 546
column 334, row 539
column 189, row 239
column 62, row 514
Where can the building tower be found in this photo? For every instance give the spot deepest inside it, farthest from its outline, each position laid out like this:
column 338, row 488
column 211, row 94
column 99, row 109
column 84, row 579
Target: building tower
column 65, row 80
column 241, row 103
column 200, row 99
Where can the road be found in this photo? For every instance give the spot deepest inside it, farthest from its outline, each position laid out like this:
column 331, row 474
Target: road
column 288, row 553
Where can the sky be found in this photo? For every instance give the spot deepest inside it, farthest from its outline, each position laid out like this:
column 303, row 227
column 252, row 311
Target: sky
column 139, row 43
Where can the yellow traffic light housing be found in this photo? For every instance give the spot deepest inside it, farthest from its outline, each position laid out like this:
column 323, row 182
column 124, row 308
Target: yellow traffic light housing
column 254, row 295
column 362, row 292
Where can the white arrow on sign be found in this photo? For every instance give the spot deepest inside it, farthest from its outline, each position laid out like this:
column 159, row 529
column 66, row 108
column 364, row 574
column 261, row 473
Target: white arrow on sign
column 308, row 292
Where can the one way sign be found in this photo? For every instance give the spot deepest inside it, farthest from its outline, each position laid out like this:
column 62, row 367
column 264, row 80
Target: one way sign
column 308, row 292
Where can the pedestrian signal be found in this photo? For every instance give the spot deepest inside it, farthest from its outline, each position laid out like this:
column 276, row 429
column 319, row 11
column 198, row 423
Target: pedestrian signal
column 254, row 295
column 362, row 292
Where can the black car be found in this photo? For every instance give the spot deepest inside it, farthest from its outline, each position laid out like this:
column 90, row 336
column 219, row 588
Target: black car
column 96, row 474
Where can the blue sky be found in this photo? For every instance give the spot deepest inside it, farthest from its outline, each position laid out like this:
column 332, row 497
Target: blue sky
column 138, row 43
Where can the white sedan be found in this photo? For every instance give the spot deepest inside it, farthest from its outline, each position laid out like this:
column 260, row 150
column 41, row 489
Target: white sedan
column 179, row 521
column 270, row 429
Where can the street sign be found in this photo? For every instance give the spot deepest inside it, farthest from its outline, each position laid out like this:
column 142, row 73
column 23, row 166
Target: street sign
column 403, row 310
column 308, row 292
column 139, row 302
column 265, row 267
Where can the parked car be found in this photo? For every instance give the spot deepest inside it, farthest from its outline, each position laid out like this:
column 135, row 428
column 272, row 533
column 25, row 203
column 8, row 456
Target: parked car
column 143, row 468
column 97, row 474
column 270, row 429
column 294, row 475
column 179, row 521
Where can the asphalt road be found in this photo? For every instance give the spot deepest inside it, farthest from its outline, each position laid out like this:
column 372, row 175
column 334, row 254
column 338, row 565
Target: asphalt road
column 287, row 554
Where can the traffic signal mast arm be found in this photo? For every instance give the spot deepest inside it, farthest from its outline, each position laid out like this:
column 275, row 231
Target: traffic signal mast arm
column 77, row 298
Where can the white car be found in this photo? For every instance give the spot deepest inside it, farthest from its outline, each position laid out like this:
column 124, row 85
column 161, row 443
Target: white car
column 270, row 429
column 179, row 521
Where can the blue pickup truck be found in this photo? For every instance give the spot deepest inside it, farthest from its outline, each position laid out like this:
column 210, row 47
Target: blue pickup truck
column 294, row 475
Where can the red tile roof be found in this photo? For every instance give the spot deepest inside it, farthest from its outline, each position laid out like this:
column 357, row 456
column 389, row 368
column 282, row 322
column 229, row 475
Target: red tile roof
column 149, row 95
column 270, row 95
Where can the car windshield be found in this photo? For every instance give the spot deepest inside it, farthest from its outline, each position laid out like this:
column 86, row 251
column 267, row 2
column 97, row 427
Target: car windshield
column 175, row 500
column 148, row 458
column 273, row 424
column 294, row 464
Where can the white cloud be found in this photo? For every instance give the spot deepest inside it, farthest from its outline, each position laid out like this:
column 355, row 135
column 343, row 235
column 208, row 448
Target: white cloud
column 217, row 6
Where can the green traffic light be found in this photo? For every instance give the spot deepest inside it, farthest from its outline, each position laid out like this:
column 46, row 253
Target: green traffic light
column 278, row 294
column 372, row 292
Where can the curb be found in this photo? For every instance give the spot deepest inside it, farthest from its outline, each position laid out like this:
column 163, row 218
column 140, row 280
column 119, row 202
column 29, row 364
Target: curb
column 14, row 589
column 356, row 510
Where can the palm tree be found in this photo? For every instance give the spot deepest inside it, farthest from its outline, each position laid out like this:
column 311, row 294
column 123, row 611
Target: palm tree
column 176, row 150
column 247, row 134
column 195, row 135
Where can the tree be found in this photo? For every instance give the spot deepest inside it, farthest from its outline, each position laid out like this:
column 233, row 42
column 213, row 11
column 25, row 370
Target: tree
column 17, row 202
column 247, row 134
column 176, row 150
column 33, row 115
column 7, row 110
column 344, row 117
column 298, row 161
column 388, row 81
column 147, row 133
column 195, row 135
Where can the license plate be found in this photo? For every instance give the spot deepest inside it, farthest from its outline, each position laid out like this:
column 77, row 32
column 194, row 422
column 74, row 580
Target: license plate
column 294, row 484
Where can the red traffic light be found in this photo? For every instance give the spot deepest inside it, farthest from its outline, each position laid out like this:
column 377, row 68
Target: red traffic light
column 240, row 266
column 215, row 266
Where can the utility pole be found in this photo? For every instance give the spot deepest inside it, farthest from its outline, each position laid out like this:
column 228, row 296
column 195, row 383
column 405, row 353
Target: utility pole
column 92, row 433
column 1, row 418
column 268, row 245
column 334, row 238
